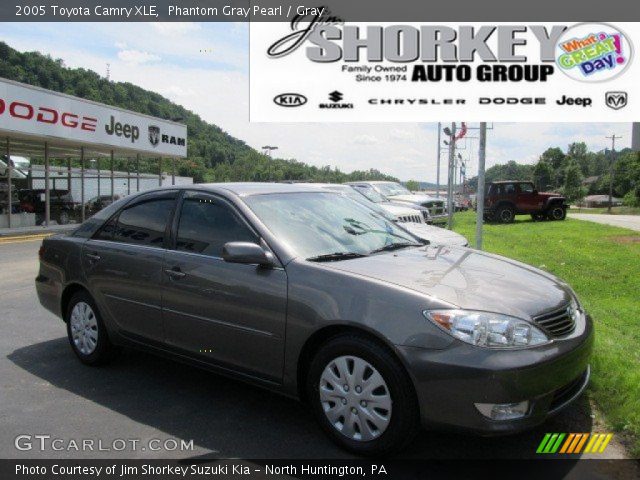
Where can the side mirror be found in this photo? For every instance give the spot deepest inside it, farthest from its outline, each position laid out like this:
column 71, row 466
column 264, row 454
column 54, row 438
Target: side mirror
column 246, row 253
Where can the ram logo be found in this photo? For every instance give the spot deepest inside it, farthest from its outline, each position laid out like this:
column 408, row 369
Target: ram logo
column 290, row 100
column 154, row 135
column 616, row 100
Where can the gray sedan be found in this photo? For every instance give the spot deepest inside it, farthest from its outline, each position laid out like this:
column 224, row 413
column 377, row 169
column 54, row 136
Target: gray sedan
column 311, row 294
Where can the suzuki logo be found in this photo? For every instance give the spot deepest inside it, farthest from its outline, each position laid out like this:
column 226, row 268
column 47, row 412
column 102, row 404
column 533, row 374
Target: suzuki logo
column 616, row 100
column 336, row 96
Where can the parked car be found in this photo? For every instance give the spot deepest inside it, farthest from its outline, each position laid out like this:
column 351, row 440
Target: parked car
column 399, row 193
column 405, row 215
column 506, row 199
column 310, row 294
column 61, row 204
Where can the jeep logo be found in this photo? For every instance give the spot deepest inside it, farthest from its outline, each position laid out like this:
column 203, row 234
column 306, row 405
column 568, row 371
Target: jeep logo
column 122, row 130
column 290, row 100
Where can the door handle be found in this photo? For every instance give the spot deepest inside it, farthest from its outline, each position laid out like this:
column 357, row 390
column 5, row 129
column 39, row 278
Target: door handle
column 93, row 256
column 175, row 273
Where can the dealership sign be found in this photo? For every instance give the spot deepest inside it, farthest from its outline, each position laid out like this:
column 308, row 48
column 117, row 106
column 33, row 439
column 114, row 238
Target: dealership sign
column 36, row 112
column 424, row 72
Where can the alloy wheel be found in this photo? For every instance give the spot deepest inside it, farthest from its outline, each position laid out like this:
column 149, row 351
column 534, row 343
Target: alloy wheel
column 84, row 328
column 355, row 398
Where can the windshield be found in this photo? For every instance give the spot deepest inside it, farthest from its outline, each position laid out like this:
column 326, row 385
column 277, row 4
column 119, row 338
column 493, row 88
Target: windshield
column 371, row 194
column 390, row 189
column 315, row 224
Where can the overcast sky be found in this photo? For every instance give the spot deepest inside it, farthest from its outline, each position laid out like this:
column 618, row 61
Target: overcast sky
column 205, row 68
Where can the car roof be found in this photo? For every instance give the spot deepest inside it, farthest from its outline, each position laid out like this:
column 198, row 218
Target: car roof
column 512, row 181
column 372, row 182
column 244, row 189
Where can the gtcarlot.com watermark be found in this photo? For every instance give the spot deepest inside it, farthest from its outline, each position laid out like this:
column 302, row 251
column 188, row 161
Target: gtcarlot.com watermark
column 48, row 443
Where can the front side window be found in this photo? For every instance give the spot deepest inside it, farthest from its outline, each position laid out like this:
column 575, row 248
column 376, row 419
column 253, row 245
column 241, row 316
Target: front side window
column 144, row 223
column 320, row 224
column 207, row 223
column 526, row 188
column 509, row 189
column 391, row 188
column 371, row 194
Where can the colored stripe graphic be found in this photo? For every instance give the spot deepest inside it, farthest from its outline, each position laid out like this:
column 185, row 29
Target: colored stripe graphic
column 573, row 443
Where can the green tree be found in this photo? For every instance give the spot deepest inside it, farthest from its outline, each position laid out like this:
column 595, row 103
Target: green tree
column 543, row 175
column 412, row 185
column 573, row 188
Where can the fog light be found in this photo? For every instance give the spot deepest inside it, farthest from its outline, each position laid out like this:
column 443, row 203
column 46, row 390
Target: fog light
column 503, row 411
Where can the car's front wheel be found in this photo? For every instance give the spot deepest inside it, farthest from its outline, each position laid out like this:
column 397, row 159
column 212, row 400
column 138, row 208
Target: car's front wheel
column 86, row 331
column 557, row 212
column 362, row 396
column 505, row 214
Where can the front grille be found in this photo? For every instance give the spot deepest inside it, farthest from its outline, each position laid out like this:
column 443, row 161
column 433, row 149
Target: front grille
column 425, row 215
column 409, row 219
column 557, row 323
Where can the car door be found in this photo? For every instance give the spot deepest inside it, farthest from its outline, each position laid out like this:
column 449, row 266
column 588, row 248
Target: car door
column 123, row 264
column 228, row 314
column 527, row 199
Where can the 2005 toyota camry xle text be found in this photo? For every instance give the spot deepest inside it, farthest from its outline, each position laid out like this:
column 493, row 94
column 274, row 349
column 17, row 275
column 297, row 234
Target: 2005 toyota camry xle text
column 312, row 294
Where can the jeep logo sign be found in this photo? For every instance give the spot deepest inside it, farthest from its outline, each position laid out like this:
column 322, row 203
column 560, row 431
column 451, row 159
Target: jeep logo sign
column 37, row 113
column 122, row 130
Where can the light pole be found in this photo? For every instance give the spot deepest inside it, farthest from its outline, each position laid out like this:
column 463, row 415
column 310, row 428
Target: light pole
column 451, row 133
column 482, row 149
column 613, row 138
column 266, row 150
column 438, row 170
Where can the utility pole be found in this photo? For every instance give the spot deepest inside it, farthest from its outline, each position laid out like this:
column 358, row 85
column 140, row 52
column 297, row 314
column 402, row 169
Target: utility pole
column 438, row 171
column 613, row 138
column 451, row 179
column 482, row 150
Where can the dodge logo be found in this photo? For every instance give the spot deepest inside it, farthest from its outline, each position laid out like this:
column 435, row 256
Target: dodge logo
column 154, row 135
column 616, row 100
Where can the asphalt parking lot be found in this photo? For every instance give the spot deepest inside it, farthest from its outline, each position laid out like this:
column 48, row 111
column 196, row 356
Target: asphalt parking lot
column 45, row 390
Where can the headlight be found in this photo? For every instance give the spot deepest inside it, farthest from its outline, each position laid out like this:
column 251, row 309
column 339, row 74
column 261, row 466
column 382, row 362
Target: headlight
column 484, row 329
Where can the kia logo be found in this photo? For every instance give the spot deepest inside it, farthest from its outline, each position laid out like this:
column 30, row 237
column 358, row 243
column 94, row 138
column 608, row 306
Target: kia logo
column 290, row 100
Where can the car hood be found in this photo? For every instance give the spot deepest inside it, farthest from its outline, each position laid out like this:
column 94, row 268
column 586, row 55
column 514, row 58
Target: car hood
column 436, row 235
column 398, row 209
column 465, row 278
column 417, row 198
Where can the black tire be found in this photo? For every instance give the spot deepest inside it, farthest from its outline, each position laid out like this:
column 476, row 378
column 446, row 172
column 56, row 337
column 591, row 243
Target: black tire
column 404, row 421
column 104, row 350
column 538, row 217
column 505, row 214
column 557, row 212
column 64, row 218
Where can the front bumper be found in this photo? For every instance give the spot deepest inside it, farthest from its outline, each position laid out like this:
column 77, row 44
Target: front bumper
column 450, row 382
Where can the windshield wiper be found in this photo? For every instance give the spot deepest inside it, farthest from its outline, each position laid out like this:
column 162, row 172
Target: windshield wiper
column 336, row 256
column 395, row 246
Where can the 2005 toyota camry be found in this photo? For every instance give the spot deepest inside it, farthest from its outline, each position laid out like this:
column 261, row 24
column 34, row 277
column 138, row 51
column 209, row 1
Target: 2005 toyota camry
column 309, row 293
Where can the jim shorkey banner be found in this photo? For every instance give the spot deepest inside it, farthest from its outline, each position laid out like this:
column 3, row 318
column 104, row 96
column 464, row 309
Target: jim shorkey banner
column 319, row 68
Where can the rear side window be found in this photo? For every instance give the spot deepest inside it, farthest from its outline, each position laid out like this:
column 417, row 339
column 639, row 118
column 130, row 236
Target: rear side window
column 509, row 189
column 144, row 223
column 207, row 223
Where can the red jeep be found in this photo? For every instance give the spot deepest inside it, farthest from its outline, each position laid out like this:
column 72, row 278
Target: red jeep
column 506, row 199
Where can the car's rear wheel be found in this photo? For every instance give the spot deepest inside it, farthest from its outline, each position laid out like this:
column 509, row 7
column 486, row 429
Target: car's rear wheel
column 557, row 212
column 362, row 396
column 63, row 218
column 505, row 214
column 87, row 335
